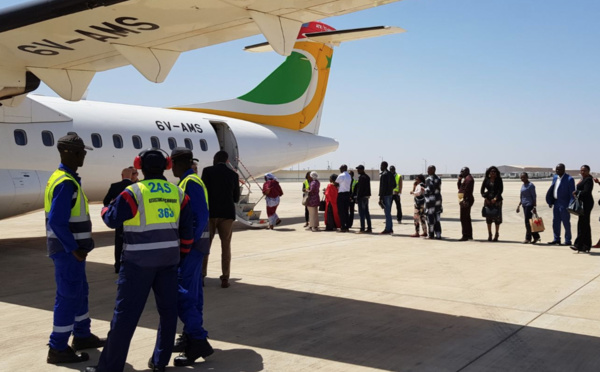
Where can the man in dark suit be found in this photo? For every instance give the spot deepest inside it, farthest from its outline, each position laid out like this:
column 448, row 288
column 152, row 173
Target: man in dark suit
column 558, row 197
column 127, row 175
column 223, row 186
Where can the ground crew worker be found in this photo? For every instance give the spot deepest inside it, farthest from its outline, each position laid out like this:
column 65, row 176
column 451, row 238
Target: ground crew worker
column 69, row 240
column 193, row 342
column 157, row 233
column 397, row 193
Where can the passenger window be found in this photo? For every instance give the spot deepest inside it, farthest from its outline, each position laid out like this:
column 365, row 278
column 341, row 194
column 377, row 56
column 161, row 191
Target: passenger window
column 189, row 144
column 96, row 140
column 137, row 142
column 172, row 143
column 203, row 145
column 155, row 142
column 47, row 138
column 20, row 137
column 118, row 141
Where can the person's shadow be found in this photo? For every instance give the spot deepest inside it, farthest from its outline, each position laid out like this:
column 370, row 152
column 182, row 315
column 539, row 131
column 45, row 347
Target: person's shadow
column 233, row 360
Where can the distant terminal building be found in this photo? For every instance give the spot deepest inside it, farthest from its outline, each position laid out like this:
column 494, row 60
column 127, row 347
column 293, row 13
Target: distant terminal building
column 534, row 171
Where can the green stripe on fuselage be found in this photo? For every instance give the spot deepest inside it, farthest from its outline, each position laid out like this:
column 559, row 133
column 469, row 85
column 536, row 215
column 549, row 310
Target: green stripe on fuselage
column 286, row 84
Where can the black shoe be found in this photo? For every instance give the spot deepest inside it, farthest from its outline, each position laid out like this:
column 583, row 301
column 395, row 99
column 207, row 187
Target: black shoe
column 224, row 283
column 180, row 343
column 554, row 242
column 155, row 368
column 65, row 356
column 195, row 349
column 91, row 369
column 91, row 342
column 463, row 239
column 566, row 243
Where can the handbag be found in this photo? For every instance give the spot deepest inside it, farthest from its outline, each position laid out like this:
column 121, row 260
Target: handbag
column 304, row 198
column 489, row 212
column 575, row 207
column 322, row 205
column 537, row 224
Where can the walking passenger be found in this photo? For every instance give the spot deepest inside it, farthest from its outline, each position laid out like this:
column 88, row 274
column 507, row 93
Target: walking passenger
column 363, row 193
column 272, row 191
column 419, row 212
column 559, row 197
column 466, row 185
column 433, row 203
column 528, row 201
column 387, row 183
column 223, row 186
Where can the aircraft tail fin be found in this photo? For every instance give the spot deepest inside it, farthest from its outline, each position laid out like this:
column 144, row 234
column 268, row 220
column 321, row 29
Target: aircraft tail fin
column 292, row 96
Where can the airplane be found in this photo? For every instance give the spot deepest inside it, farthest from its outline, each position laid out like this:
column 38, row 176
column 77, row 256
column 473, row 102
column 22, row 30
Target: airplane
column 273, row 126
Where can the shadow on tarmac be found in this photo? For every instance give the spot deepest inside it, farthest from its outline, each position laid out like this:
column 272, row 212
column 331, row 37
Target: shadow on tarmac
column 318, row 326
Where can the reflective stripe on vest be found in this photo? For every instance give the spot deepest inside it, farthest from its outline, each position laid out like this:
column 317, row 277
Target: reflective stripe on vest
column 156, row 224
column 195, row 178
column 397, row 178
column 79, row 221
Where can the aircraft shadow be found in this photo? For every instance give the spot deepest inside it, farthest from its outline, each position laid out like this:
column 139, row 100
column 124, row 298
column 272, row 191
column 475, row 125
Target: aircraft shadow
column 318, row 326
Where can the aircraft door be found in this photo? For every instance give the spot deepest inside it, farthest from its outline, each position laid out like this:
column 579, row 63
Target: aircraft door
column 227, row 141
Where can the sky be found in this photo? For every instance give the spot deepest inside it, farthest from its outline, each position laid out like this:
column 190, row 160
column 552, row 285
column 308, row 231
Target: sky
column 471, row 83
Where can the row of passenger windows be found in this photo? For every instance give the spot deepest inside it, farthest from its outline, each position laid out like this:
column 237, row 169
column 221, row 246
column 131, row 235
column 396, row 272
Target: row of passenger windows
column 117, row 139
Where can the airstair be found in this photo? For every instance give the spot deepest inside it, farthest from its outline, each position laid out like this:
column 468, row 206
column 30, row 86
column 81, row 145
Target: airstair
column 245, row 208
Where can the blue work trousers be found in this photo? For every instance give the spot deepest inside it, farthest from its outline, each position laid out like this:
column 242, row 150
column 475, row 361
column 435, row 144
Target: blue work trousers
column 387, row 209
column 71, row 303
column 190, row 299
column 134, row 285
column 561, row 215
column 363, row 212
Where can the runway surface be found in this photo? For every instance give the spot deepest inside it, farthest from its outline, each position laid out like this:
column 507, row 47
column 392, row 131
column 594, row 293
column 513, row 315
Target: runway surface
column 327, row 301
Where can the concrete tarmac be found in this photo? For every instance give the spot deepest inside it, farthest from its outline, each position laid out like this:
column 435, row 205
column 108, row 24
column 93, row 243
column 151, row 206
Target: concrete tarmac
column 327, row 301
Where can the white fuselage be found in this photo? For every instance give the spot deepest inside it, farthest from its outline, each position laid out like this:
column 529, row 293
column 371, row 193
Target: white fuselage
column 26, row 167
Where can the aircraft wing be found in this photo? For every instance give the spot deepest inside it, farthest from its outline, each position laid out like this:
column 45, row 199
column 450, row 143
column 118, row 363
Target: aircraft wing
column 65, row 42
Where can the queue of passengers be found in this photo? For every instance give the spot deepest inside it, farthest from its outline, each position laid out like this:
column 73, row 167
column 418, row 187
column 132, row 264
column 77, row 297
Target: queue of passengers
column 343, row 191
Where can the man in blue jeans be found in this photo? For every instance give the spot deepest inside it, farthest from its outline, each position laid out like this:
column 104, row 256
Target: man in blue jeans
column 558, row 197
column 363, row 192
column 387, row 183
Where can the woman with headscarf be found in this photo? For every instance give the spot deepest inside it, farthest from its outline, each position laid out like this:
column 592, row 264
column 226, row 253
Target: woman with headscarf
column 312, row 202
column 305, row 188
column 272, row 191
column 332, row 218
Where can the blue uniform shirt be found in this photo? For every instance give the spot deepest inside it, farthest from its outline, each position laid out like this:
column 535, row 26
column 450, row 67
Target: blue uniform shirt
column 63, row 200
column 198, row 205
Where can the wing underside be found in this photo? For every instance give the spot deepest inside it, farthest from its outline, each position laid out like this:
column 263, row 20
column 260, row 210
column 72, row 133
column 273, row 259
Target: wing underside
column 65, row 42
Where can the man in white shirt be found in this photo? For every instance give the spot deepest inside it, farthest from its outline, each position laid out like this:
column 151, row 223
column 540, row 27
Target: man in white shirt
column 344, row 183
